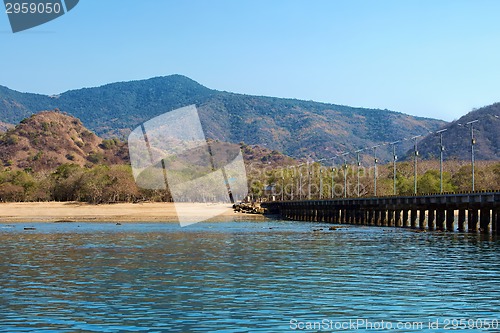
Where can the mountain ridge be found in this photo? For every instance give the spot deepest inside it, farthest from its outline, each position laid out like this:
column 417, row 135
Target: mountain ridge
column 296, row 127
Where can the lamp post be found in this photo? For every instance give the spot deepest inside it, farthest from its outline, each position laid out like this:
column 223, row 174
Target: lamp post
column 283, row 188
column 300, row 184
column 472, row 143
column 320, row 183
column 333, row 182
column 441, row 151
column 345, row 174
column 308, row 182
column 375, row 161
column 415, row 156
column 394, row 159
column 359, row 164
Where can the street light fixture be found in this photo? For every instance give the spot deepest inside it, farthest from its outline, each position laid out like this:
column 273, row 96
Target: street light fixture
column 441, row 151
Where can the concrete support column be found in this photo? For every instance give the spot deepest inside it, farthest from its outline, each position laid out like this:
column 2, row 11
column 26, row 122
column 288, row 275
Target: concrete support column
column 431, row 221
column 390, row 218
column 421, row 220
column 461, row 220
column 406, row 222
column 496, row 221
column 377, row 215
column 397, row 218
column 383, row 218
column 450, row 220
column 472, row 219
column 413, row 219
column 371, row 217
column 364, row 217
column 440, row 217
column 485, row 222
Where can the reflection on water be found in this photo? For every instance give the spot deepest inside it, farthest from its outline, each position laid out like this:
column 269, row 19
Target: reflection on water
column 238, row 277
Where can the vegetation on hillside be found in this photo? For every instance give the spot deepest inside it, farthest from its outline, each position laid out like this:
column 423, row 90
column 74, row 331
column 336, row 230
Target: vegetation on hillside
column 457, row 140
column 318, row 178
column 297, row 128
column 52, row 156
column 48, row 139
column 115, row 183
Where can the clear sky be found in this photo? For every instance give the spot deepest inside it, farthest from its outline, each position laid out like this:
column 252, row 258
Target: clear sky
column 432, row 58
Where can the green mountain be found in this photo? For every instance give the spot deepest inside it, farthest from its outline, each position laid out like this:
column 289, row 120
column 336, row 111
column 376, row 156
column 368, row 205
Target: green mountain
column 457, row 139
column 297, row 128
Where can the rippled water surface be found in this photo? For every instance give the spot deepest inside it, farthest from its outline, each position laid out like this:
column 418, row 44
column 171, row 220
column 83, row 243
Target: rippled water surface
column 269, row 276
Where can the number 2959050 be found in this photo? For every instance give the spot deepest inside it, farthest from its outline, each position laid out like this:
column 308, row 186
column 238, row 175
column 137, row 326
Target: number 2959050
column 33, row 8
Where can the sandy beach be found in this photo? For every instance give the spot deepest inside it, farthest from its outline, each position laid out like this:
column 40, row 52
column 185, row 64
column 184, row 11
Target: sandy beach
column 121, row 212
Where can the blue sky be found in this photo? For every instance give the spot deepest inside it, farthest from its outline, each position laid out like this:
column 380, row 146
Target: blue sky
column 434, row 58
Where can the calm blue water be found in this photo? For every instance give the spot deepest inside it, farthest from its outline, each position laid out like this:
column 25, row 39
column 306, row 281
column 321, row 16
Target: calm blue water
column 273, row 276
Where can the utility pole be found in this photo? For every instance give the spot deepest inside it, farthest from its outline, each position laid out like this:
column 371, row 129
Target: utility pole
column 472, row 143
column 441, row 151
column 375, row 161
column 333, row 183
column 394, row 159
column 359, row 164
column 308, row 182
column 283, row 188
column 300, row 184
column 415, row 156
column 345, row 174
column 321, row 183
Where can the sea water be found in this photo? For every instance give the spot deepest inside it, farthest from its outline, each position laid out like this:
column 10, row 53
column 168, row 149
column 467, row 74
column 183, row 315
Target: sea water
column 260, row 276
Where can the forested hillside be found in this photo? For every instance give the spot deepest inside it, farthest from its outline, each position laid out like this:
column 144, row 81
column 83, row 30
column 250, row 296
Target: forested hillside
column 297, row 128
column 457, row 140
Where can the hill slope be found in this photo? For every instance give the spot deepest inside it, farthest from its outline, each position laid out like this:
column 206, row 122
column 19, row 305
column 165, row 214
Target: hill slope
column 298, row 128
column 49, row 139
column 457, row 137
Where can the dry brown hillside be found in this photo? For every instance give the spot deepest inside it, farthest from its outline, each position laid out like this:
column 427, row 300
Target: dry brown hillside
column 51, row 138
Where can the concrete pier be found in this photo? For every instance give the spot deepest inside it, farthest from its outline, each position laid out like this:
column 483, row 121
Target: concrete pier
column 475, row 211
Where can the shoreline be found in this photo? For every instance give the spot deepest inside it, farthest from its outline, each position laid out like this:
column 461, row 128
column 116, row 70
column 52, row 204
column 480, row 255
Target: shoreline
column 67, row 212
